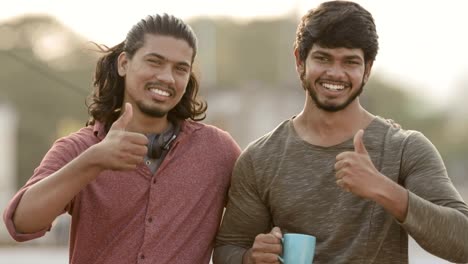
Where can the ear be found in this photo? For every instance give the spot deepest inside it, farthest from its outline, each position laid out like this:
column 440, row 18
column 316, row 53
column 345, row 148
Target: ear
column 299, row 63
column 122, row 64
column 368, row 71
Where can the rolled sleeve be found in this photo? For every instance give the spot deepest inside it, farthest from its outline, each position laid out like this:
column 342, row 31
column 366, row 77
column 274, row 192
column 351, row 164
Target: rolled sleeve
column 10, row 225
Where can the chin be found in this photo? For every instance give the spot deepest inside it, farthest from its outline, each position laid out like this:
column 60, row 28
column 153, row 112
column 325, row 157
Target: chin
column 152, row 111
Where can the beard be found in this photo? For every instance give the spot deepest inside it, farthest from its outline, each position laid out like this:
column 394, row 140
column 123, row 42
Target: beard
column 151, row 111
column 330, row 107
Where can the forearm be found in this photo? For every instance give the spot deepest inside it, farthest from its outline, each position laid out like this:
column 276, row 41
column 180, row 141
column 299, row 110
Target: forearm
column 247, row 257
column 229, row 254
column 442, row 231
column 393, row 198
column 47, row 199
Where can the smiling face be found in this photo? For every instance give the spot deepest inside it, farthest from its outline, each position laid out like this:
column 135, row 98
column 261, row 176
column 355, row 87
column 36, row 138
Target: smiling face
column 333, row 77
column 157, row 75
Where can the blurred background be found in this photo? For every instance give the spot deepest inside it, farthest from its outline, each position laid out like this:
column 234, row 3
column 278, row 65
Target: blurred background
column 246, row 66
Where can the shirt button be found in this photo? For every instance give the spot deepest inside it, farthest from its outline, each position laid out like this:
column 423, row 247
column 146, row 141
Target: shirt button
column 150, row 219
column 148, row 162
column 154, row 181
column 142, row 256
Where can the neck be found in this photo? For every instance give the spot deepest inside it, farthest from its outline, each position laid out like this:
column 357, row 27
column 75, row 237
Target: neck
column 323, row 128
column 142, row 123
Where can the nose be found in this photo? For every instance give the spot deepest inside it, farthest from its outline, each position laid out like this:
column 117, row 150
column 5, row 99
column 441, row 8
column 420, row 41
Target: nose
column 165, row 75
column 335, row 71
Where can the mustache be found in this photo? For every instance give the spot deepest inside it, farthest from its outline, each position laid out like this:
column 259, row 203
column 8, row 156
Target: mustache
column 159, row 85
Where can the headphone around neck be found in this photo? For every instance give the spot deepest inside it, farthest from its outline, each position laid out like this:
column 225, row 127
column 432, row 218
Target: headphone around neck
column 157, row 146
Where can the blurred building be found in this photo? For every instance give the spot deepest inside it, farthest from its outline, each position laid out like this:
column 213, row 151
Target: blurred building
column 250, row 111
column 8, row 147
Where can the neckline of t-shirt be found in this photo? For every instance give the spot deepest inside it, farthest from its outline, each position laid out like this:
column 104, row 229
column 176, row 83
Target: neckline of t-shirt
column 342, row 145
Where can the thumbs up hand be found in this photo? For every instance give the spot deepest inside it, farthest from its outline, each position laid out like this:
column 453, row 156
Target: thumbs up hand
column 359, row 146
column 121, row 149
column 355, row 172
column 122, row 122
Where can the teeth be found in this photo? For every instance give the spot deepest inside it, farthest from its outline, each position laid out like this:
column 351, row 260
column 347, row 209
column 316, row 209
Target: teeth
column 334, row 87
column 160, row 92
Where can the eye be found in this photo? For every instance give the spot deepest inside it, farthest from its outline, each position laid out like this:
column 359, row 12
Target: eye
column 182, row 69
column 321, row 58
column 155, row 62
column 353, row 62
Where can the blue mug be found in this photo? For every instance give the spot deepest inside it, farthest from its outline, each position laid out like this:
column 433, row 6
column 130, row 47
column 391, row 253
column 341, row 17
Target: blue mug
column 297, row 249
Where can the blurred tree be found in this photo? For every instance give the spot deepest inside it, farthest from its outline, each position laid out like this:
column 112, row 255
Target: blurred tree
column 446, row 129
column 46, row 75
column 390, row 101
column 259, row 51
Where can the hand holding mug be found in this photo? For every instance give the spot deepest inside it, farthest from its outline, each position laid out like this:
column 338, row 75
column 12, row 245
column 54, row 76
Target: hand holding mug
column 266, row 248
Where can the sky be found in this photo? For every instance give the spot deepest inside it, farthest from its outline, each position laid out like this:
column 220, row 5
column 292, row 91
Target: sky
column 423, row 43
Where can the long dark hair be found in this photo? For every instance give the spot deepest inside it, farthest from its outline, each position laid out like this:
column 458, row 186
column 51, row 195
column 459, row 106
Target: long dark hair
column 107, row 97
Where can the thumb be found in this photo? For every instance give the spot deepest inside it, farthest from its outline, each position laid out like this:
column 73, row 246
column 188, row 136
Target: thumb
column 359, row 146
column 276, row 231
column 127, row 115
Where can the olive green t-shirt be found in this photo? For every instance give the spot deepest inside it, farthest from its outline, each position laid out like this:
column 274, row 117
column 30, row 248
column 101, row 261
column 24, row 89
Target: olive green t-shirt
column 281, row 180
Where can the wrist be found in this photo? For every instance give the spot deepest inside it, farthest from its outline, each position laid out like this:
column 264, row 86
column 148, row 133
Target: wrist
column 247, row 257
column 393, row 197
column 92, row 159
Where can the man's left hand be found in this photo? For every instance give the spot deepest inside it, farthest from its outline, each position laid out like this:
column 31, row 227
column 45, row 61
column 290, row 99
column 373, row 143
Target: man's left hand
column 355, row 171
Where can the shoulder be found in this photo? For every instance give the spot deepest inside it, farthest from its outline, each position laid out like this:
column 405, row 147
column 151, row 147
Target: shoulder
column 205, row 131
column 78, row 141
column 273, row 139
column 66, row 149
column 267, row 145
column 393, row 135
column 211, row 136
column 84, row 135
column 407, row 141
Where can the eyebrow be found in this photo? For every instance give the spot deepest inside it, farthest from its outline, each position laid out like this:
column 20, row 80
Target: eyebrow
column 349, row 57
column 159, row 56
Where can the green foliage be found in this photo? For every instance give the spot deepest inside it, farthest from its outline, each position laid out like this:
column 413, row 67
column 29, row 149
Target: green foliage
column 40, row 91
column 45, row 92
column 259, row 51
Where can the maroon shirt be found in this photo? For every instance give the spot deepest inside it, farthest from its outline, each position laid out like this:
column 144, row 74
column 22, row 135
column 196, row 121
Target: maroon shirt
column 136, row 217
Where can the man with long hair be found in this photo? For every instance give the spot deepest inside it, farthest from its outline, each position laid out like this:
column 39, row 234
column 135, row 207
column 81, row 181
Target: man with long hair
column 336, row 171
column 143, row 181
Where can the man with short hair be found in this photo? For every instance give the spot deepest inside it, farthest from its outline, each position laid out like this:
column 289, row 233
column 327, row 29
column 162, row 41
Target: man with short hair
column 336, row 171
column 143, row 182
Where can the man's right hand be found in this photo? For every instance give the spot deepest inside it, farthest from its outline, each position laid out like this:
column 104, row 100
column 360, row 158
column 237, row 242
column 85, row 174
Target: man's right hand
column 121, row 149
column 266, row 248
